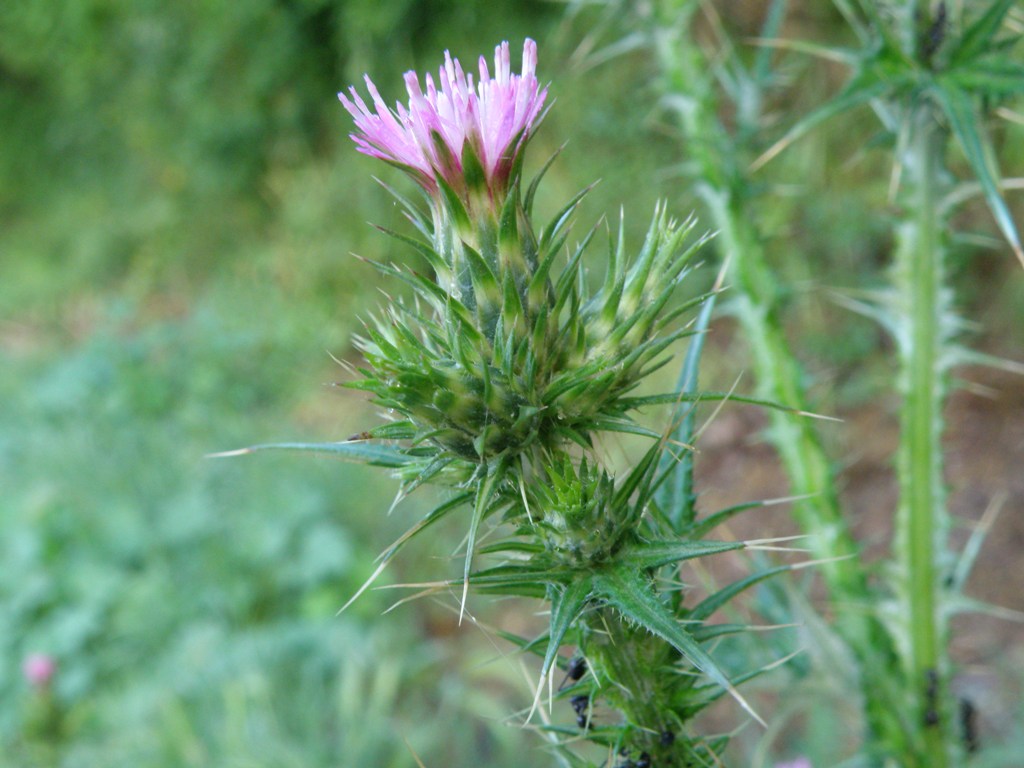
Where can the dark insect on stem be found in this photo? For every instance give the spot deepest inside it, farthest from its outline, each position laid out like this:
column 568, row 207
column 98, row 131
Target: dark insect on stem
column 667, row 738
column 931, row 698
column 580, row 705
column 936, row 32
column 969, row 725
column 574, row 671
column 644, row 761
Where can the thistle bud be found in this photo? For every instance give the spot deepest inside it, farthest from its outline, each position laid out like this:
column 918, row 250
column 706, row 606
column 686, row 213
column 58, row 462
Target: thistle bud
column 39, row 669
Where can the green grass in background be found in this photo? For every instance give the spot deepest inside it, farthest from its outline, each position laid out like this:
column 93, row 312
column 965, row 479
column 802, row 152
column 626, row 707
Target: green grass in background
column 178, row 204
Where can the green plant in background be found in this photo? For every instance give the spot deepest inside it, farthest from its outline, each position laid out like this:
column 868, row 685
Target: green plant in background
column 500, row 375
column 931, row 71
column 927, row 69
column 174, row 186
column 167, row 638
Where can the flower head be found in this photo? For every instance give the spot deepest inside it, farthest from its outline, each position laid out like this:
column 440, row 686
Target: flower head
column 429, row 137
column 39, row 669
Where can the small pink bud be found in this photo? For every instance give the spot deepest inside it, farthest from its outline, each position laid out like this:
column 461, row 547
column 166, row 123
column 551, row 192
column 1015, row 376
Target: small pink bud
column 800, row 762
column 39, row 669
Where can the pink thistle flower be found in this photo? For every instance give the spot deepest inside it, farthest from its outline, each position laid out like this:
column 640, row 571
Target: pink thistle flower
column 427, row 138
column 38, row 669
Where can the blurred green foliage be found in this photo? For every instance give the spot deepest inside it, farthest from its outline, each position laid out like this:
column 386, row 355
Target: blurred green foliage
column 190, row 602
column 178, row 202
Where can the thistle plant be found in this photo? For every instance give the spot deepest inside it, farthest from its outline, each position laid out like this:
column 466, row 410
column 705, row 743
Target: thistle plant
column 932, row 72
column 500, row 373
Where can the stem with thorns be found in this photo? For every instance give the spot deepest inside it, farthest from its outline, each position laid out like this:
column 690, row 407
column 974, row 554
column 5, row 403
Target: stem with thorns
column 756, row 300
column 723, row 180
column 924, row 317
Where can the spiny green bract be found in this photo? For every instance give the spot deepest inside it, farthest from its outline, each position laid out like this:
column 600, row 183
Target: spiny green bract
column 573, row 515
column 500, row 354
column 597, row 549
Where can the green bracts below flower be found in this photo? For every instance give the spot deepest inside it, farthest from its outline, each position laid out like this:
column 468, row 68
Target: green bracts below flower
column 534, row 359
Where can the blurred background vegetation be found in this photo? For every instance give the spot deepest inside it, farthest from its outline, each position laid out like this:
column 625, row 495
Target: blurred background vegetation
column 179, row 202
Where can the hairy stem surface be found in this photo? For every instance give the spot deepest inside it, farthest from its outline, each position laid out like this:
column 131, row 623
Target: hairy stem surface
column 925, row 318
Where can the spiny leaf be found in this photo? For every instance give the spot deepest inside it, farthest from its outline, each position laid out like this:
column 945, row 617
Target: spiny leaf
column 676, row 496
column 862, row 89
column 999, row 78
column 354, row 451
column 622, row 426
column 713, row 602
column 708, row 523
column 424, row 249
column 712, row 397
column 508, row 231
column 614, row 276
column 472, row 169
column 386, row 556
column 963, row 120
column 958, row 604
column 512, row 305
column 639, row 478
column 429, row 472
column 565, row 288
column 533, row 590
column 531, row 190
column 562, row 218
column 429, row 519
column 762, row 69
column 398, row 430
column 425, row 287
column 705, row 632
column 454, row 204
column 515, row 574
column 539, row 282
column 630, row 594
column 484, row 278
column 971, row 550
column 977, row 39
column 484, row 495
column 566, row 607
column 657, row 554
column 535, row 646
column 512, row 545
column 411, row 211
column 704, row 695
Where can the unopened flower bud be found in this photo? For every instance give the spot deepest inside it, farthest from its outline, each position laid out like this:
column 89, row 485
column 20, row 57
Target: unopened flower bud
column 39, row 669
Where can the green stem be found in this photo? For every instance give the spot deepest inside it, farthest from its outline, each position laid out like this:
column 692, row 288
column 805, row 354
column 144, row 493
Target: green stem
column 921, row 519
column 756, row 297
column 642, row 678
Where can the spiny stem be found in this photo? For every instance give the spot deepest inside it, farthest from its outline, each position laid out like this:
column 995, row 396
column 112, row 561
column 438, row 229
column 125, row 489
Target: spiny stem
column 921, row 520
column 756, row 296
column 639, row 663
column 722, row 181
